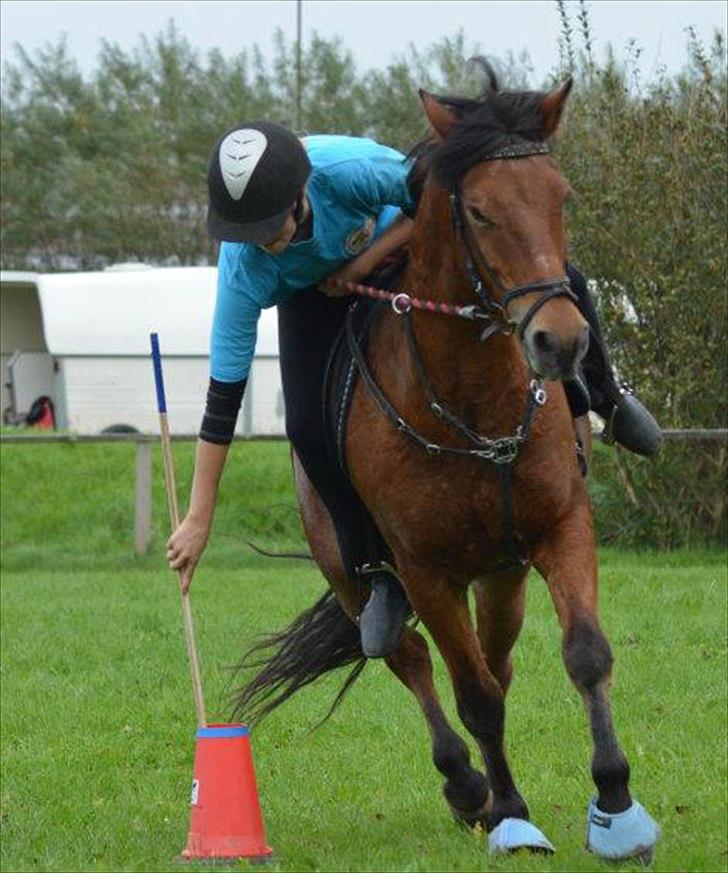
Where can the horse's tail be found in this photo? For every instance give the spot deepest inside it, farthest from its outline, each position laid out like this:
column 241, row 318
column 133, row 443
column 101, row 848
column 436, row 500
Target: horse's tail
column 321, row 639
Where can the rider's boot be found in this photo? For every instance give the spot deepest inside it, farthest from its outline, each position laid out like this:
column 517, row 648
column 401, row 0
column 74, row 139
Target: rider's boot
column 384, row 617
column 626, row 420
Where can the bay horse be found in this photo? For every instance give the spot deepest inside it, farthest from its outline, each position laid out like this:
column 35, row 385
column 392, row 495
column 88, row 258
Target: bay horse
column 498, row 489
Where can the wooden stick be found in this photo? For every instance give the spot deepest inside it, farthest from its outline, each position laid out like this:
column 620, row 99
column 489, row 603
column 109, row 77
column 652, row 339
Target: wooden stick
column 171, row 487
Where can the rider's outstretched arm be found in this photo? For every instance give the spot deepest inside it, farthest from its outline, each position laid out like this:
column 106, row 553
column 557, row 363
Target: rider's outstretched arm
column 187, row 543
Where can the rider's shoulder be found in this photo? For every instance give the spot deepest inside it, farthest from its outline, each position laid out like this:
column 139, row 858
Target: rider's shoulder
column 332, row 154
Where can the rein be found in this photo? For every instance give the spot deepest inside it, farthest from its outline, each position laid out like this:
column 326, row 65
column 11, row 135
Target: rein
column 402, row 302
column 502, row 452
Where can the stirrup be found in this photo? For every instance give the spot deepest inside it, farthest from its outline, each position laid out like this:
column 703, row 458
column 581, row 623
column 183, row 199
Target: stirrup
column 383, row 619
column 378, row 568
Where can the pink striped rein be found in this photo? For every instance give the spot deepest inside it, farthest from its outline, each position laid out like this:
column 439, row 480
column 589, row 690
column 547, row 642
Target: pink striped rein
column 402, row 302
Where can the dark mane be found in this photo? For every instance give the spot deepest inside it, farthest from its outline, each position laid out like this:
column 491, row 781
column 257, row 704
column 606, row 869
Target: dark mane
column 484, row 125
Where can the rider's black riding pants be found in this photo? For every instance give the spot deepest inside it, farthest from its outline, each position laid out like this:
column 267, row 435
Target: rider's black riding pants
column 308, row 324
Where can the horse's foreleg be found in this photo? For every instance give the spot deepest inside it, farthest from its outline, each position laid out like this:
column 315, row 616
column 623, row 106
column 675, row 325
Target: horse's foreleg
column 567, row 561
column 466, row 789
column 500, row 605
column 618, row 828
column 478, row 694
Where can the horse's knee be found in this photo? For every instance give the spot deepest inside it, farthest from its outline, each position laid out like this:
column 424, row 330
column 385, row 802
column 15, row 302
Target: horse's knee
column 587, row 655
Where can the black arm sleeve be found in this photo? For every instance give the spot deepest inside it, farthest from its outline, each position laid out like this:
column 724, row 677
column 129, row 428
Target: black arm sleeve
column 221, row 411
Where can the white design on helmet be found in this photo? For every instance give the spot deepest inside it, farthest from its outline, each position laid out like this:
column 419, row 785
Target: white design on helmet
column 240, row 152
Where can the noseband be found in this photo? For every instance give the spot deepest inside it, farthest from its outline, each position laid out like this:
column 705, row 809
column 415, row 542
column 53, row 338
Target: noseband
column 497, row 308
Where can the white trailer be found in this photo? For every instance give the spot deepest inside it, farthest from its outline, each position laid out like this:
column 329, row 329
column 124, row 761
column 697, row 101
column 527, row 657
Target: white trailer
column 83, row 340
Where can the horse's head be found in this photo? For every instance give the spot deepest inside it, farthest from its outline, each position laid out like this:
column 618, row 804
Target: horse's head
column 508, row 200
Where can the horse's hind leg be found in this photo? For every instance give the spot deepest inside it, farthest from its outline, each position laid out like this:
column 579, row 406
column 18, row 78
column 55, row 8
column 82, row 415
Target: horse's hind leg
column 500, row 606
column 465, row 789
column 618, row 827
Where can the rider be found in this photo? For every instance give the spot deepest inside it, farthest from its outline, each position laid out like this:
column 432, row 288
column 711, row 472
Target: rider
column 291, row 213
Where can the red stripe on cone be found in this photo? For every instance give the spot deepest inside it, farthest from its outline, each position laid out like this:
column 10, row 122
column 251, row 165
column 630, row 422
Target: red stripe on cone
column 225, row 816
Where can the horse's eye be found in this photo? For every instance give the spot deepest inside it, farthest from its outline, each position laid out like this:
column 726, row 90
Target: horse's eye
column 478, row 216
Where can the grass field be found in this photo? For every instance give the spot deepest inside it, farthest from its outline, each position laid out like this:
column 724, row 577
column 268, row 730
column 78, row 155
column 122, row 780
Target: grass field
column 98, row 723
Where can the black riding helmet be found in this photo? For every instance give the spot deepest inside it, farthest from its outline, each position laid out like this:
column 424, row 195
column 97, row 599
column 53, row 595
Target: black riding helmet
column 254, row 178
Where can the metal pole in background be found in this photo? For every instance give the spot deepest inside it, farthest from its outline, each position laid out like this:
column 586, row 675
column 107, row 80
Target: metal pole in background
column 299, row 10
column 143, row 498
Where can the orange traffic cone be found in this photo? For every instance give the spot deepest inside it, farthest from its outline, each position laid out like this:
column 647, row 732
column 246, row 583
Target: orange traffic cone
column 225, row 817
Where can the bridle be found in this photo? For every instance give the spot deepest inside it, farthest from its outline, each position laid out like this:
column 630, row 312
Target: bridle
column 476, row 263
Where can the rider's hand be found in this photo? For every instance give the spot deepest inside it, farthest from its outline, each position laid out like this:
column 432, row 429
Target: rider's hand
column 185, row 548
column 350, row 272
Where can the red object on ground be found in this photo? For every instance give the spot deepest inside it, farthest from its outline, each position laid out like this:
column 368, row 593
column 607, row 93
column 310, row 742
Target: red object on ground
column 225, row 818
column 41, row 414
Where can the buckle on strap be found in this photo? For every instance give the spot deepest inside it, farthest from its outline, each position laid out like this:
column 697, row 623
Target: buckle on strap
column 540, row 395
column 401, row 303
column 500, row 452
column 472, row 312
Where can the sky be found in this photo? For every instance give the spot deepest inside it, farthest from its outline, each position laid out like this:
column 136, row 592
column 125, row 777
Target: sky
column 374, row 30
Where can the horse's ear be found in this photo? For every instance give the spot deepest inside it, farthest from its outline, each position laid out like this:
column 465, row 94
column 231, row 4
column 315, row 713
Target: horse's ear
column 553, row 106
column 440, row 116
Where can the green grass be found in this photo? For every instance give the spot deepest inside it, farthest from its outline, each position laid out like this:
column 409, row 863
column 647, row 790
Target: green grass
column 72, row 506
column 98, row 724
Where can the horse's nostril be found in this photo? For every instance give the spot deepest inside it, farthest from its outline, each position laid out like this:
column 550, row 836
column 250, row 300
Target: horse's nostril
column 545, row 343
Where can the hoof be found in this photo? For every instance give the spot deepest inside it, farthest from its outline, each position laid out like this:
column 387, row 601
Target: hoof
column 517, row 833
column 618, row 836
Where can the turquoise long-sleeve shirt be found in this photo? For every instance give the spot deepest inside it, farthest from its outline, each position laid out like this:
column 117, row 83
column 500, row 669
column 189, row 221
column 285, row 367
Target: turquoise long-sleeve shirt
column 356, row 189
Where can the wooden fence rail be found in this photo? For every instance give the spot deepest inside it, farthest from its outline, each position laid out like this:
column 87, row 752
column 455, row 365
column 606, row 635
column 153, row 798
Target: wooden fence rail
column 143, row 462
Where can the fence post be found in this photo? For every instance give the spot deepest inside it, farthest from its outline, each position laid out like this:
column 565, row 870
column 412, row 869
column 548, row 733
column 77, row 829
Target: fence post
column 143, row 497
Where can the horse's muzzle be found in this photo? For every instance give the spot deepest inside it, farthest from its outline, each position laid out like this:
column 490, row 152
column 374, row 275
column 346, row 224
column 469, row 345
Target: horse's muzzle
column 553, row 358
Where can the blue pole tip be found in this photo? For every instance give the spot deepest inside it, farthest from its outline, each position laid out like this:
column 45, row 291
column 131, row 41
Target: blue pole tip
column 158, row 377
